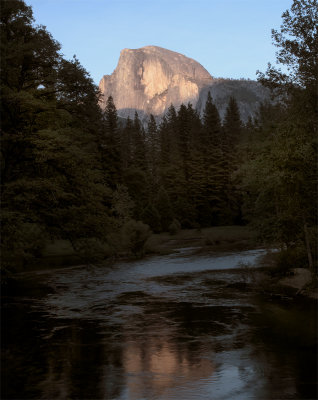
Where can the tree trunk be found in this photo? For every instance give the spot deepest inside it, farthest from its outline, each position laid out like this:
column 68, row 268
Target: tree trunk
column 310, row 262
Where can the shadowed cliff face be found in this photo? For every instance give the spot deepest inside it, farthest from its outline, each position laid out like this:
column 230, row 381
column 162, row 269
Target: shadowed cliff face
column 151, row 78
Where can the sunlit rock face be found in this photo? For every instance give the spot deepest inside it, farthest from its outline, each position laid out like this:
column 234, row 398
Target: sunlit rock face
column 151, row 78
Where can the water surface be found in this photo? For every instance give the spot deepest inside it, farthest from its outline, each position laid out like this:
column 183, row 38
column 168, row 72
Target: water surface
column 173, row 327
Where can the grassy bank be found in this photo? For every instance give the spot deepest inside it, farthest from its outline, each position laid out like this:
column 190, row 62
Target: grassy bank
column 218, row 238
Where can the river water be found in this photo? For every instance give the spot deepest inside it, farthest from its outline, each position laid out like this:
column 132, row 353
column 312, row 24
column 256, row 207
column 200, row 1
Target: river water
column 181, row 327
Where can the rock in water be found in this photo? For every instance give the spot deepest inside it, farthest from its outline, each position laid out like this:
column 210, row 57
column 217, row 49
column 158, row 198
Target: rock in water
column 150, row 79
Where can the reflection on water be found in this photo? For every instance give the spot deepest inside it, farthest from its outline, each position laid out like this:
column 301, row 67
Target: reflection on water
column 164, row 328
column 160, row 368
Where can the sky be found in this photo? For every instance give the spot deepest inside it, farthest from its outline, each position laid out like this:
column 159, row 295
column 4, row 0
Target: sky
column 230, row 38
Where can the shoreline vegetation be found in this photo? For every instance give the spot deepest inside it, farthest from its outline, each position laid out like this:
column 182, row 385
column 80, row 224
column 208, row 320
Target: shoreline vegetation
column 60, row 253
column 267, row 278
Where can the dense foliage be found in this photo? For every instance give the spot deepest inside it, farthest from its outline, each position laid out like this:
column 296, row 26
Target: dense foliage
column 53, row 184
column 280, row 175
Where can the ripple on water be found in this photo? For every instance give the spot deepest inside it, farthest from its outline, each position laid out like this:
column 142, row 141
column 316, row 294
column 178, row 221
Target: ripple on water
column 171, row 327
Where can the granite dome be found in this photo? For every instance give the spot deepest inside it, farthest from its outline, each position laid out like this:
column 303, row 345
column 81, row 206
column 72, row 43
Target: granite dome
column 151, row 78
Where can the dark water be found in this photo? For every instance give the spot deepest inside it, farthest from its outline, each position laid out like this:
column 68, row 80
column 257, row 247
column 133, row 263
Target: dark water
column 178, row 327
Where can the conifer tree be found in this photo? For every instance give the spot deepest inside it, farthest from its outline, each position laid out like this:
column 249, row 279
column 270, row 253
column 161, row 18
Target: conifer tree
column 169, row 155
column 232, row 124
column 183, row 136
column 139, row 145
column 171, row 116
column 112, row 144
column 213, row 162
column 136, row 176
column 186, row 129
column 152, row 142
column 232, row 130
column 164, row 143
column 126, row 138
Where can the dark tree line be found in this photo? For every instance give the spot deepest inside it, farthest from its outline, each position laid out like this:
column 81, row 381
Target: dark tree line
column 72, row 171
column 280, row 174
column 181, row 169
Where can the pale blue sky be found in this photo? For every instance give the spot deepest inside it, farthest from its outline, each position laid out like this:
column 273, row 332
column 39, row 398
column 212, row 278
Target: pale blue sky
column 230, row 38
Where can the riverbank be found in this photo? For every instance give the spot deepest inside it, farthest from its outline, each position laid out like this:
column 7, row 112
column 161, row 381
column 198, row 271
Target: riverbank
column 299, row 282
column 60, row 253
column 213, row 239
column 209, row 241
column 267, row 279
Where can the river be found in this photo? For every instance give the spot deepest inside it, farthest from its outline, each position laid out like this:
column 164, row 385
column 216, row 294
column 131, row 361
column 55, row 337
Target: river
column 182, row 326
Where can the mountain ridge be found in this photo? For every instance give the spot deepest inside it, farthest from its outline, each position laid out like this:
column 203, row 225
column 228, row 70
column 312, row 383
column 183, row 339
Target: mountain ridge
column 149, row 79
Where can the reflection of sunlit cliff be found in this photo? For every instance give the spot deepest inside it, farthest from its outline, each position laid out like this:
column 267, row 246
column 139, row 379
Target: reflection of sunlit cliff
column 160, row 365
column 79, row 365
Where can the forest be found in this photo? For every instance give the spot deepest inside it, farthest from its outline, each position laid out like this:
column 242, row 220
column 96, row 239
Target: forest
column 73, row 171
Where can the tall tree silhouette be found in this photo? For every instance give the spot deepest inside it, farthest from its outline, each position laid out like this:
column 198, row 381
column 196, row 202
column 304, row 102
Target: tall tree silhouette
column 112, row 144
column 213, row 163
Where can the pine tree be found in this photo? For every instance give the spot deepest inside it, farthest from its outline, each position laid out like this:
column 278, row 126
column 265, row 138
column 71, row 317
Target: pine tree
column 152, row 142
column 213, row 163
column 164, row 144
column 187, row 127
column 112, row 161
column 139, row 145
column 183, row 136
column 171, row 116
column 136, row 176
column 126, row 144
column 232, row 124
column 232, row 130
column 169, row 154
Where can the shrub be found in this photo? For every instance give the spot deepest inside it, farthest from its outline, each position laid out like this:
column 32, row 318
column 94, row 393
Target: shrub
column 174, row 227
column 135, row 235
column 151, row 217
column 287, row 259
column 21, row 241
column 91, row 249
